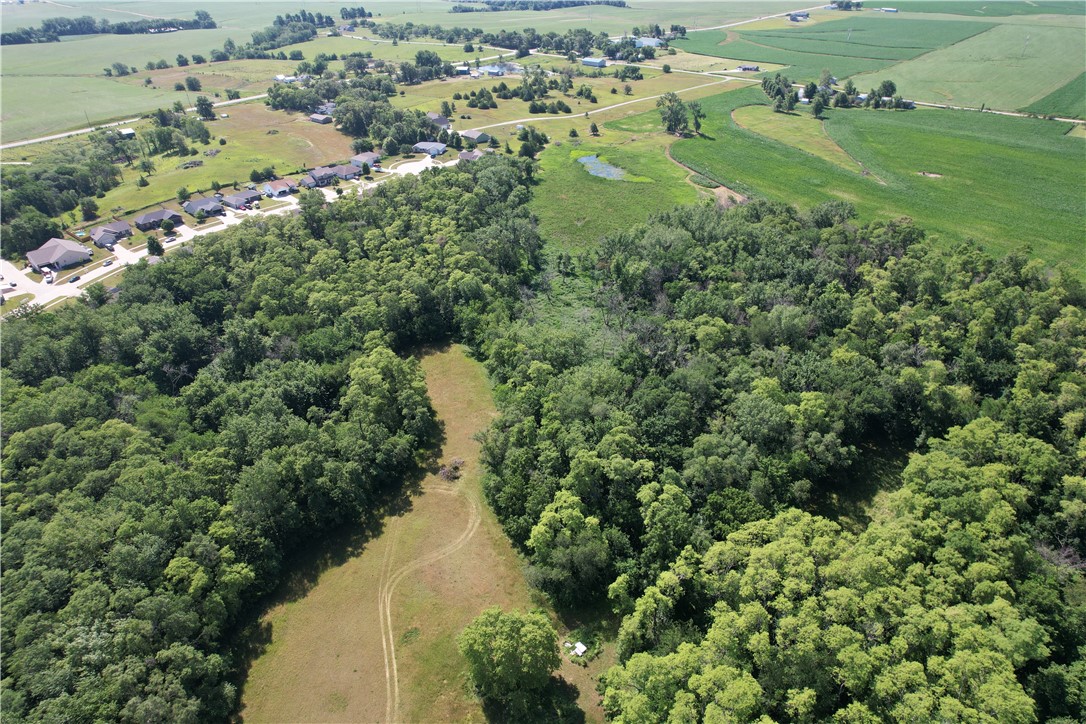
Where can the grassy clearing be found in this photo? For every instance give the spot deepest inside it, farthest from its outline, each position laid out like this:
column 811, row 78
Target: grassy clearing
column 998, row 68
column 1006, row 182
column 13, row 302
column 993, row 8
column 313, row 671
column 800, row 130
column 1068, row 101
column 1077, row 131
column 683, row 60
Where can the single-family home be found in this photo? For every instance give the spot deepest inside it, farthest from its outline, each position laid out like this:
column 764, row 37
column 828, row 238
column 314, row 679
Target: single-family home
column 241, row 198
column 749, row 67
column 207, row 207
column 57, row 254
column 439, row 120
column 282, row 187
column 105, row 236
column 320, row 176
column 285, row 78
column 348, row 172
column 154, row 219
column 370, row 158
column 648, row 43
column 431, row 147
column 320, row 118
column 476, row 136
column 470, row 155
column 594, row 62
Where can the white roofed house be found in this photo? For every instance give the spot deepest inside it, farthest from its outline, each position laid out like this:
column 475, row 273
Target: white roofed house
column 370, row 158
column 58, row 254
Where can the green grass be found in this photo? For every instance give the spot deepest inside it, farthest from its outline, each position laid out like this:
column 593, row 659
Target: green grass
column 800, row 130
column 1007, row 182
column 999, row 68
column 1068, row 101
column 801, row 66
column 992, row 8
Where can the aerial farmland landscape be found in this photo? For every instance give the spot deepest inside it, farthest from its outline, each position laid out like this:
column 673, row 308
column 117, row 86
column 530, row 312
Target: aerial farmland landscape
column 542, row 361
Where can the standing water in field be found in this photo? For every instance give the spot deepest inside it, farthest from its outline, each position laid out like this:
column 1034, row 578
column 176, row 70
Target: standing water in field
column 596, row 167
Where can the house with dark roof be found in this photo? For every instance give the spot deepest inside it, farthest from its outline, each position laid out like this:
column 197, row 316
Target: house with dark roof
column 476, row 136
column 58, row 254
column 439, row 120
column 320, row 118
column 241, row 198
column 431, row 147
column 320, row 176
column 370, row 158
column 347, row 172
column 107, row 235
column 154, row 219
column 282, row 187
column 206, row 207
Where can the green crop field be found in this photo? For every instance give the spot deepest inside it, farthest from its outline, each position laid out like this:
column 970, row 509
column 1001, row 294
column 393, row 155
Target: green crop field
column 802, row 66
column 806, row 133
column 993, row 8
column 1007, row 67
column 1006, row 182
column 1068, row 101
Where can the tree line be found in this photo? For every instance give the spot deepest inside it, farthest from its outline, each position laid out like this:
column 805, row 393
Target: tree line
column 491, row 6
column 51, row 29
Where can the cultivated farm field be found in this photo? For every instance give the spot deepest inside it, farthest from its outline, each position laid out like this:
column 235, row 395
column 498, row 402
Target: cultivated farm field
column 1008, row 183
column 993, row 8
column 784, row 127
column 1007, row 67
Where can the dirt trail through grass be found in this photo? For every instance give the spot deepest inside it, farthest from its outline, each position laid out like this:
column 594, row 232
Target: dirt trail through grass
column 374, row 638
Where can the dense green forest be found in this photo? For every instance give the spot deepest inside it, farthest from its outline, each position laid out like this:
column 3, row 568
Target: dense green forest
column 165, row 450
column 167, row 447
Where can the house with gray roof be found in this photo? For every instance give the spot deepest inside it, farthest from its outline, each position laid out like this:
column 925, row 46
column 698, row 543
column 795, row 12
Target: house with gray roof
column 648, row 43
column 594, row 62
column 58, row 254
column 281, row 187
column 348, row 172
column 207, row 207
column 154, row 219
column 475, row 136
column 439, row 120
column 107, row 235
column 241, row 198
column 370, row 158
column 470, row 155
column 320, row 176
column 430, row 147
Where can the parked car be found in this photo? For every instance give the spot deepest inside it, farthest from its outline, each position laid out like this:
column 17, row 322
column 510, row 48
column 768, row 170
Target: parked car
column 107, row 262
column 73, row 280
column 11, row 284
column 48, row 280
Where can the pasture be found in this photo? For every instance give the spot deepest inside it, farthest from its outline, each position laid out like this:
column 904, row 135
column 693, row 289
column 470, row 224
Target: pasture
column 1009, row 183
column 398, row 587
column 796, row 129
column 1008, row 67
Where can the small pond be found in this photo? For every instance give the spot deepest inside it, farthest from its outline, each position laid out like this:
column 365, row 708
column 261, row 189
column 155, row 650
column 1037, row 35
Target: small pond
column 596, row 167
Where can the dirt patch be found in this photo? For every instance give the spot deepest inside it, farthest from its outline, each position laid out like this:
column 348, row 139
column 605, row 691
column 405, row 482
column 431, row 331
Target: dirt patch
column 726, row 198
column 929, row 174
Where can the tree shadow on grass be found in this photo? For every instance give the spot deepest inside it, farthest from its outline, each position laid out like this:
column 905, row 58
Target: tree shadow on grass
column 556, row 704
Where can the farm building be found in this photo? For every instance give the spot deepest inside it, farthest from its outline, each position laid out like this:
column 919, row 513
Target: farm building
column 648, row 43
column 241, row 198
column 208, row 207
column 594, row 62
column 57, row 254
column 282, row 187
column 889, row 10
column 320, row 118
column 370, row 158
column 154, row 219
column 126, row 133
column 431, row 147
column 496, row 70
column 439, row 120
column 463, row 70
column 476, row 136
column 105, row 236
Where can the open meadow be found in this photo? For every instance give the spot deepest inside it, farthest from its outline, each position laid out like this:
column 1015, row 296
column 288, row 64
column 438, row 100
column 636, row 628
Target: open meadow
column 410, row 591
column 1007, row 183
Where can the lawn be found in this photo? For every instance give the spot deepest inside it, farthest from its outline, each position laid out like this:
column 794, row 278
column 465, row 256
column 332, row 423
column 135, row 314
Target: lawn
column 314, row 671
column 1006, row 182
column 1007, row 67
column 796, row 129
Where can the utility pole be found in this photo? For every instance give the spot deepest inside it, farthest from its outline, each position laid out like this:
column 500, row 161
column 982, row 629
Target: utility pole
column 1025, row 46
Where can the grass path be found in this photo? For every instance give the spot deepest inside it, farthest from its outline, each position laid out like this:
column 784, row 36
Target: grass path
column 372, row 637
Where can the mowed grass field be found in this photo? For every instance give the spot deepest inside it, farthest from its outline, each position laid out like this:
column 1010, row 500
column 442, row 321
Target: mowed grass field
column 804, row 134
column 1008, row 67
column 325, row 660
column 1009, row 183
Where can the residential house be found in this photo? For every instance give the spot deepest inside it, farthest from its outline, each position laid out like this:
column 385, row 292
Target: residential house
column 320, row 118
column 431, row 147
column 594, row 62
column 105, row 236
column 370, row 158
column 347, row 173
column 57, row 254
column 648, row 43
column 476, row 136
column 439, row 120
column 748, row 66
column 320, row 176
column 241, row 198
column 206, row 207
column 282, row 187
column 470, row 155
column 154, row 219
